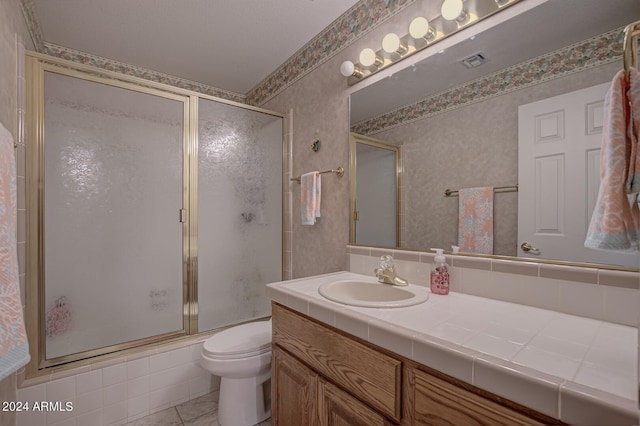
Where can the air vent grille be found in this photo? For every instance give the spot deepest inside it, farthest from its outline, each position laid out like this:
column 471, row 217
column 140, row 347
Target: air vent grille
column 474, row 60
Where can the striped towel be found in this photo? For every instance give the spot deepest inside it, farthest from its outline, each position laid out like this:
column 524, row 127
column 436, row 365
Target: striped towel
column 14, row 348
column 475, row 220
column 310, row 194
column 615, row 223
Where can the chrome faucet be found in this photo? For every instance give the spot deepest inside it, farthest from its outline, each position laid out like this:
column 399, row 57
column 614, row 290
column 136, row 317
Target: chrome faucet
column 386, row 273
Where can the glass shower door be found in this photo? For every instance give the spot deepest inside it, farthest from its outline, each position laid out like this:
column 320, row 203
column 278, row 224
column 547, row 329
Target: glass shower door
column 239, row 212
column 113, row 189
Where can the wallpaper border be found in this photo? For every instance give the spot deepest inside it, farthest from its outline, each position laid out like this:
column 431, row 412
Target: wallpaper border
column 134, row 71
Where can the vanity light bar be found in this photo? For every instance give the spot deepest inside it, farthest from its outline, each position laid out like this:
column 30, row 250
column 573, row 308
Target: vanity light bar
column 422, row 32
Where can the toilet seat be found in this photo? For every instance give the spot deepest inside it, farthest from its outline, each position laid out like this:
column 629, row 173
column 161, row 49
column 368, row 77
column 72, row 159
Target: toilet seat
column 240, row 342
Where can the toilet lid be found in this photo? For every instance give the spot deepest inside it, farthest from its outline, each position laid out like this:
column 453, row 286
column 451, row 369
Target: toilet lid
column 246, row 339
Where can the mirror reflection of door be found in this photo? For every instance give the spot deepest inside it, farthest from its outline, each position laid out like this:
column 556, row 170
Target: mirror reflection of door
column 375, row 192
column 559, row 175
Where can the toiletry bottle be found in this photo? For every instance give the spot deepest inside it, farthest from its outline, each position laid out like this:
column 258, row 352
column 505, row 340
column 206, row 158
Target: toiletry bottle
column 439, row 274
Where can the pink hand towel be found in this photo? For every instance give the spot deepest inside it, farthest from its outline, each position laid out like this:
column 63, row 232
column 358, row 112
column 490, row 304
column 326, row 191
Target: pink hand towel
column 14, row 348
column 310, row 192
column 475, row 220
column 615, row 223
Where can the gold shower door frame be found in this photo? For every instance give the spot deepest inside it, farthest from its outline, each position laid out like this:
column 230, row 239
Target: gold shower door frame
column 36, row 66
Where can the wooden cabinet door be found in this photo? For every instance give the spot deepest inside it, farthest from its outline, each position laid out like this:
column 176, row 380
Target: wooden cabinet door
column 294, row 391
column 438, row 402
column 360, row 370
column 338, row 408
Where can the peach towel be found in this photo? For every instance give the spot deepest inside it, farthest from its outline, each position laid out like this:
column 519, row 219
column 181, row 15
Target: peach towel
column 475, row 220
column 615, row 223
column 310, row 195
column 14, row 348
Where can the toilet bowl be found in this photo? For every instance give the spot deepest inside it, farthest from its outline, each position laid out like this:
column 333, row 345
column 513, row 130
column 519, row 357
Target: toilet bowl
column 241, row 356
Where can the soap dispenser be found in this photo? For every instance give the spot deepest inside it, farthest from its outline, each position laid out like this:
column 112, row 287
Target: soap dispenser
column 439, row 274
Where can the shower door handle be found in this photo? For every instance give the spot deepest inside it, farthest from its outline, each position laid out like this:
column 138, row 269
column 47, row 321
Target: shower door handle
column 183, row 215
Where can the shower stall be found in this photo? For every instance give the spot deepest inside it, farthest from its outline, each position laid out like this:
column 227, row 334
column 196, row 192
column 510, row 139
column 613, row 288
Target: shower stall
column 153, row 212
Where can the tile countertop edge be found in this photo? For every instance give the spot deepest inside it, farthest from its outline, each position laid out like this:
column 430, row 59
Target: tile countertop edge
column 548, row 394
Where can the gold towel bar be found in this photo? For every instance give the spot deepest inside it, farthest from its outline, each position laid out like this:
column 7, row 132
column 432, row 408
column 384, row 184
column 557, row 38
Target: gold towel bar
column 339, row 171
column 450, row 192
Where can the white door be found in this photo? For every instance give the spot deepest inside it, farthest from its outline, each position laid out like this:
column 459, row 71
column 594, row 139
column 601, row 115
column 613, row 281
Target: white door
column 559, row 174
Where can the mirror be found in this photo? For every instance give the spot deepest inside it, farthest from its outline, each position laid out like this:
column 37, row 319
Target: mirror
column 457, row 127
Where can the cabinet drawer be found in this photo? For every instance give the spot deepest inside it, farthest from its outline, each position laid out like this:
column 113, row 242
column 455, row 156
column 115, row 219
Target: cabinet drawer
column 438, row 402
column 371, row 375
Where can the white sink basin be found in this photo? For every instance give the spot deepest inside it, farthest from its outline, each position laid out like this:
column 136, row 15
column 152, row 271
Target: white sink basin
column 373, row 294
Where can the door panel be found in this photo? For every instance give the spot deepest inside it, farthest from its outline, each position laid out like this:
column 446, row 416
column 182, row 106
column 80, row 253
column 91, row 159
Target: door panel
column 559, row 175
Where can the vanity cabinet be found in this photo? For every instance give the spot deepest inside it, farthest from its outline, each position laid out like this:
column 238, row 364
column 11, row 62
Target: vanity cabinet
column 294, row 396
column 322, row 376
column 302, row 397
column 439, row 402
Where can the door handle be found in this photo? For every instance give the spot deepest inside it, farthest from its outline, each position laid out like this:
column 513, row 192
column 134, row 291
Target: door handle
column 527, row 247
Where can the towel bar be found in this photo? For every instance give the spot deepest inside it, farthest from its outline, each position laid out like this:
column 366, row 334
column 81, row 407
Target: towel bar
column 450, row 192
column 339, row 171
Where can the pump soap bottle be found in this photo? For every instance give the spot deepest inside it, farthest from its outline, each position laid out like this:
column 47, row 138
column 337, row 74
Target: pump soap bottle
column 439, row 274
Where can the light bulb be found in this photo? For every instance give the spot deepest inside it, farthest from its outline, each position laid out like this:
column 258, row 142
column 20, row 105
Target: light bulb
column 451, row 9
column 368, row 57
column 347, row 69
column 391, row 44
column 420, row 28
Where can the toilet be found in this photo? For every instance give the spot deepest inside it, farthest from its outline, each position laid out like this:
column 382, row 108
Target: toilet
column 241, row 356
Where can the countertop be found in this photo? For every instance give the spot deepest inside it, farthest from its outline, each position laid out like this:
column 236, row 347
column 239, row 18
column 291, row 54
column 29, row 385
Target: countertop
column 579, row 370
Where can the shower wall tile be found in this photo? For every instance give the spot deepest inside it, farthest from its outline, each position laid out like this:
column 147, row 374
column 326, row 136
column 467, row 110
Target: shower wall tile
column 114, row 374
column 137, row 407
column 87, row 382
column 138, row 387
column 88, row 402
column 138, row 368
column 169, row 359
column 115, row 414
column 54, row 418
column 114, row 394
column 91, row 418
column 61, row 389
column 102, row 394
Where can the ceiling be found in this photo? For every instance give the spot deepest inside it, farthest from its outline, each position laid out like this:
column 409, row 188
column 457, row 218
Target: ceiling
column 231, row 45
column 549, row 26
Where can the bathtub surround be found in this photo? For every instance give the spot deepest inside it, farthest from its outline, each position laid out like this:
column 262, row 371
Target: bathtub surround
column 121, row 389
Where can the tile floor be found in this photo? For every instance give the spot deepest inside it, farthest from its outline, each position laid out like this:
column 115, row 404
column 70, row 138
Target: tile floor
column 202, row 411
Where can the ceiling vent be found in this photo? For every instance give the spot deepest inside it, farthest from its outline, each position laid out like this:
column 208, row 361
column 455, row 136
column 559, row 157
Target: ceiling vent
column 474, row 60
